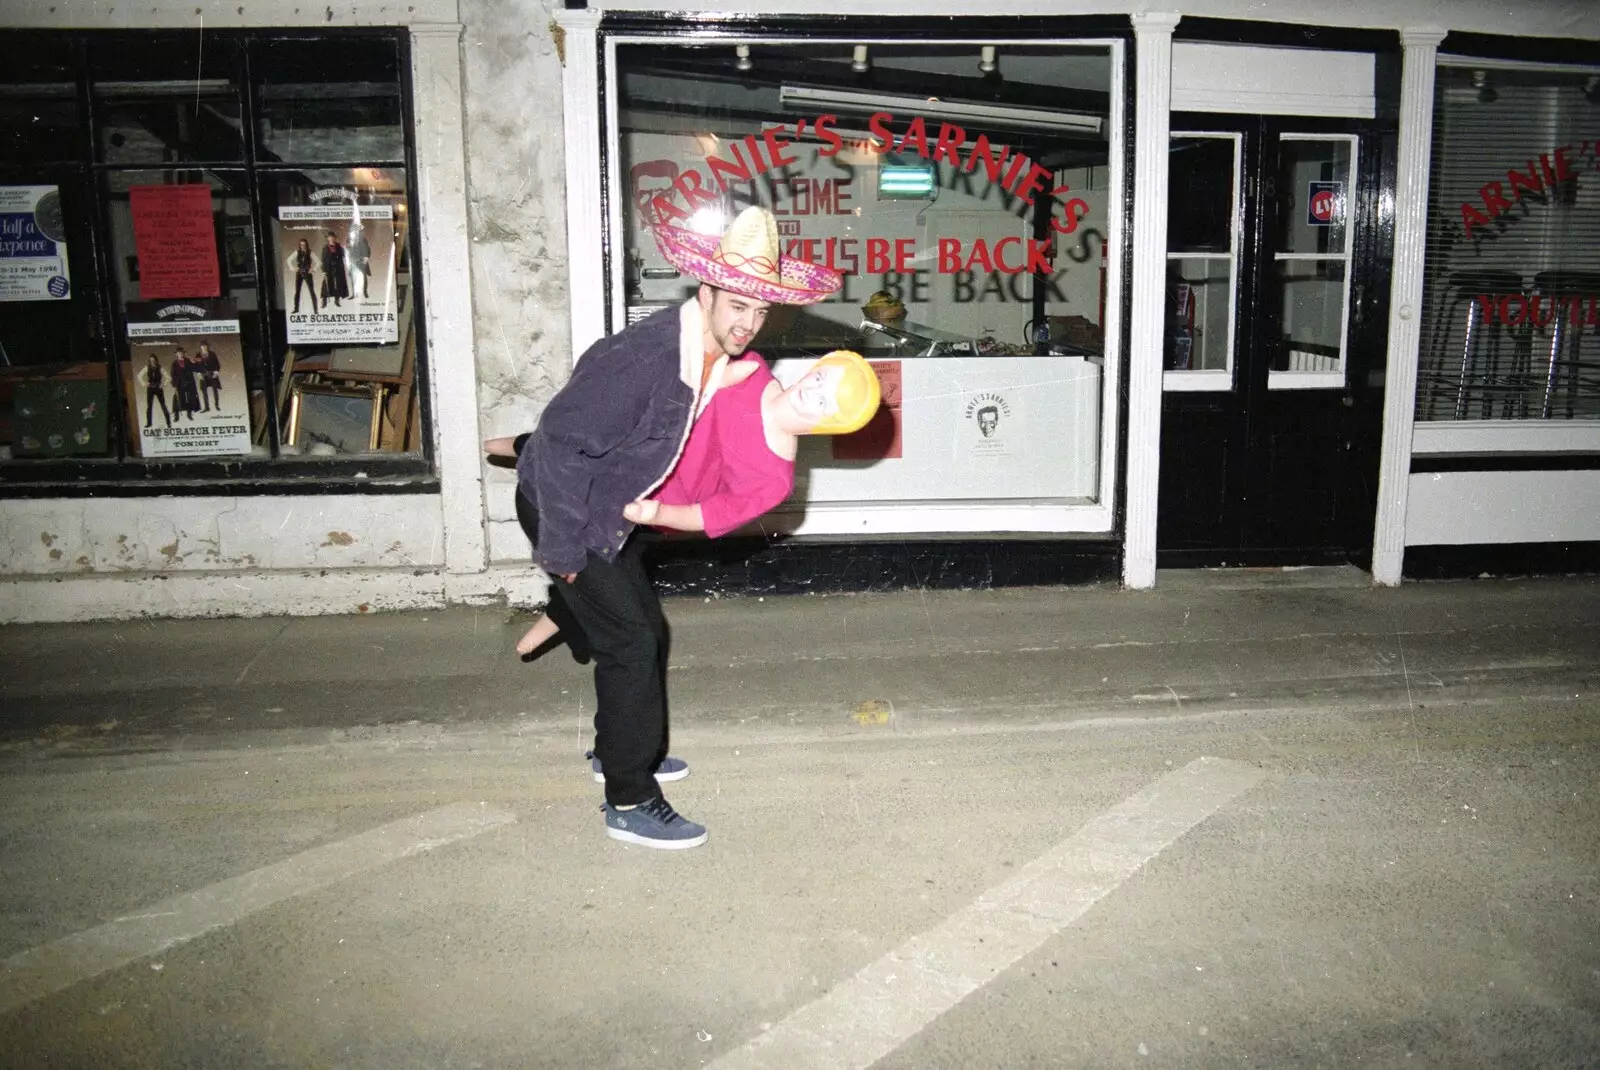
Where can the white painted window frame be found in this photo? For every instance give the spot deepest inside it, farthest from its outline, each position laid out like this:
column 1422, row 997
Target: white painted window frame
column 1026, row 515
column 1216, row 379
column 1293, row 380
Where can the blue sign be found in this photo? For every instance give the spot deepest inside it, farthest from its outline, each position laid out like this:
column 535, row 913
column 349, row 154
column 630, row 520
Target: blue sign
column 1324, row 203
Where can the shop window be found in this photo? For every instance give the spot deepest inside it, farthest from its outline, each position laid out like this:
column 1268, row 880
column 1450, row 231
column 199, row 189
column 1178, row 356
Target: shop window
column 209, row 283
column 1511, row 292
column 964, row 191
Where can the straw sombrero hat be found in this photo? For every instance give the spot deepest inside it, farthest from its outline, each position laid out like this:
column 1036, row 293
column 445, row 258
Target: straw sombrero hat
column 746, row 261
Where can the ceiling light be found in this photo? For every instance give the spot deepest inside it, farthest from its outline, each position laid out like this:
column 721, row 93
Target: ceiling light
column 806, row 98
column 858, row 60
column 1486, row 93
column 986, row 59
column 743, row 62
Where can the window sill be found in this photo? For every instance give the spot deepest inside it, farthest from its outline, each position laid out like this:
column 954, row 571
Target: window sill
column 82, row 478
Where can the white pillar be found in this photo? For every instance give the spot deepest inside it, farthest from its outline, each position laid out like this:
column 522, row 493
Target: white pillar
column 1405, row 301
column 580, row 91
column 441, row 199
column 1152, row 122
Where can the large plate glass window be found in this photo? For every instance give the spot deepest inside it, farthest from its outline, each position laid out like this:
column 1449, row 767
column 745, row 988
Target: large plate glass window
column 967, row 192
column 1510, row 329
column 217, row 282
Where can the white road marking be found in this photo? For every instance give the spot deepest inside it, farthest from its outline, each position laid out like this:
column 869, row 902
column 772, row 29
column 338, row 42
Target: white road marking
column 871, row 1014
column 38, row 972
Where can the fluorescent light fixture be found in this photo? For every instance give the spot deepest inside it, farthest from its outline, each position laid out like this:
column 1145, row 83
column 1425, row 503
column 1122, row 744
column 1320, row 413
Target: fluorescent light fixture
column 806, row 98
column 908, row 182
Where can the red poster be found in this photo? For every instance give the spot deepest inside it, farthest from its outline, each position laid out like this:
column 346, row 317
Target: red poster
column 880, row 439
column 177, row 241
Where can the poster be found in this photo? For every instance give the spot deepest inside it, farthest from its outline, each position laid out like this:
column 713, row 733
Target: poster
column 177, row 241
column 33, row 245
column 337, row 267
column 880, row 439
column 185, row 383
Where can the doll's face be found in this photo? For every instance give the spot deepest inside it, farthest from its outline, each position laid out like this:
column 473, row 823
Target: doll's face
column 816, row 394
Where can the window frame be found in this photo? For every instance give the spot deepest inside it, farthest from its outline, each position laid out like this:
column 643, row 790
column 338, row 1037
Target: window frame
column 1320, row 380
column 121, row 474
column 1216, row 379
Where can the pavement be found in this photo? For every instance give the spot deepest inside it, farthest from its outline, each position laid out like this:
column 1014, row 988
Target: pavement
column 1247, row 818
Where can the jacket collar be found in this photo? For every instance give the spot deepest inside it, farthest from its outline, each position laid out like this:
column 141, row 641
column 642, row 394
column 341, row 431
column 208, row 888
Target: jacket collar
column 692, row 355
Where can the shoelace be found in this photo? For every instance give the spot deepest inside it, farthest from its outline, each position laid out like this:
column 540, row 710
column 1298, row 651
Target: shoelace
column 660, row 809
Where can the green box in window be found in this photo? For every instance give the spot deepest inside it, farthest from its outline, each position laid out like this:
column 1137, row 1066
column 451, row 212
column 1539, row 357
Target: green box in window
column 58, row 418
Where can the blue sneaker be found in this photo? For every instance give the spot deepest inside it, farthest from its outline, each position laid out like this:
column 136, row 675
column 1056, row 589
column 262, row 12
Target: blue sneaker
column 670, row 769
column 653, row 824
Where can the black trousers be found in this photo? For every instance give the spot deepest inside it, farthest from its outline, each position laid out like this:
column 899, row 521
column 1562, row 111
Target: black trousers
column 614, row 610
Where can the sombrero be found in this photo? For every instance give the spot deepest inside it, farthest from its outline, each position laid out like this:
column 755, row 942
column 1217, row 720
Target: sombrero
column 746, row 260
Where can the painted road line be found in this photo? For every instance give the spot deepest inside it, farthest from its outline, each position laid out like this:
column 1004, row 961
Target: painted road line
column 38, row 972
column 868, row 1016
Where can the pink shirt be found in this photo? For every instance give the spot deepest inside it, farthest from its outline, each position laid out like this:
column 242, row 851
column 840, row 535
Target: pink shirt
column 727, row 466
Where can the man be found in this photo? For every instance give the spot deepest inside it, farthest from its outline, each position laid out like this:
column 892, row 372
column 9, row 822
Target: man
column 610, row 437
column 334, row 282
column 988, row 420
column 210, row 366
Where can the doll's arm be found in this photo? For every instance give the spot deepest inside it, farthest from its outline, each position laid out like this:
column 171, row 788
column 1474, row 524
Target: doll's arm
column 661, row 515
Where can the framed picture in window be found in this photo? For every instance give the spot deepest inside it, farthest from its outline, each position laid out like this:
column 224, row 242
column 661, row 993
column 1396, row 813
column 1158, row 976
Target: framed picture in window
column 344, row 418
column 239, row 251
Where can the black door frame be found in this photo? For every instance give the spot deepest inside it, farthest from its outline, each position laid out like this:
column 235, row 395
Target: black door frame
column 1194, row 485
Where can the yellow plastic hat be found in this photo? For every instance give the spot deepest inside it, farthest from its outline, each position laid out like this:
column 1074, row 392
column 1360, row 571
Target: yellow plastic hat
column 858, row 394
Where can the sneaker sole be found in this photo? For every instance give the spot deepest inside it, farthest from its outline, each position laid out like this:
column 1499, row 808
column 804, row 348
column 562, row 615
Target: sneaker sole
column 660, row 845
column 661, row 778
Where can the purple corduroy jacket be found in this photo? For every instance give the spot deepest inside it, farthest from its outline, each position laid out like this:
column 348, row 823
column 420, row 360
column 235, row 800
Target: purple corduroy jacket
column 613, row 433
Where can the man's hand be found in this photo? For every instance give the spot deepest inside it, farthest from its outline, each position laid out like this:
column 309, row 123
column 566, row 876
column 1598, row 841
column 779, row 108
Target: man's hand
column 642, row 511
column 570, row 577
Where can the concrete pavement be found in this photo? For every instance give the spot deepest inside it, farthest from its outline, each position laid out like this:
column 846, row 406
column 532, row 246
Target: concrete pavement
column 372, row 842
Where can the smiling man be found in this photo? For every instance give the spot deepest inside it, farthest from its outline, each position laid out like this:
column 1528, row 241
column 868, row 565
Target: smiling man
column 611, row 436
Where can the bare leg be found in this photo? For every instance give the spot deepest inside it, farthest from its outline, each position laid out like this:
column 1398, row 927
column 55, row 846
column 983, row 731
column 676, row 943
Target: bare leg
column 541, row 632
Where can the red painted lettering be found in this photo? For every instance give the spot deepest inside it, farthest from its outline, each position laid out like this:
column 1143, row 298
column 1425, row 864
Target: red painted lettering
column 691, row 187
column 833, row 144
column 664, row 209
column 1000, row 254
column 905, row 251
column 1471, row 217
column 721, row 169
column 1039, row 257
column 981, row 150
column 1017, row 162
column 1494, row 200
column 1529, row 181
column 841, row 196
column 883, row 136
column 1072, row 214
column 758, row 166
column 1038, row 178
column 951, row 138
column 776, row 145
column 1492, row 308
column 1521, row 316
column 949, row 256
column 915, row 138
column 877, row 256
column 980, row 257
column 1564, row 171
